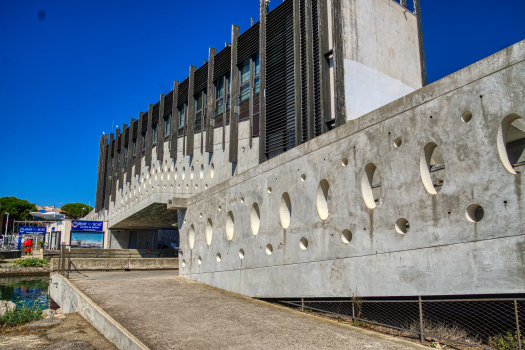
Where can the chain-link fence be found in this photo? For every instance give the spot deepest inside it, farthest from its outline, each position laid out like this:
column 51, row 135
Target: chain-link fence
column 464, row 323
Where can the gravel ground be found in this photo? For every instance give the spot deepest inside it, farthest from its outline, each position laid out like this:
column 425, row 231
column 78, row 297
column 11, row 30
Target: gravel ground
column 72, row 332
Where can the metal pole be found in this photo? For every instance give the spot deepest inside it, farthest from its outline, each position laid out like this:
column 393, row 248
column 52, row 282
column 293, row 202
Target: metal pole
column 68, row 261
column 63, row 257
column 421, row 320
column 517, row 323
column 6, row 224
column 353, row 311
column 302, row 304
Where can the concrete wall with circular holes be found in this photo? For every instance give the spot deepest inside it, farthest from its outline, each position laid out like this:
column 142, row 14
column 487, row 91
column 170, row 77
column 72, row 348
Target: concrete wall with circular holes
column 415, row 229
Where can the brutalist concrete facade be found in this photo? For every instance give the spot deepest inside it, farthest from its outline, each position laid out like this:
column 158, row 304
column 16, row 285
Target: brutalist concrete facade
column 419, row 196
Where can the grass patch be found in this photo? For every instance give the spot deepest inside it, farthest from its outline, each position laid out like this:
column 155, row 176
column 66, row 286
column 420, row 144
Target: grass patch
column 22, row 314
column 31, row 262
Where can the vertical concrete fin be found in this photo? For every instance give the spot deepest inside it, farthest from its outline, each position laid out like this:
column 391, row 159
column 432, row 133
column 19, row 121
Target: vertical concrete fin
column 324, row 69
column 149, row 136
column 417, row 11
column 297, row 70
column 191, row 113
column 101, row 173
column 263, row 8
column 339, row 71
column 175, row 121
column 210, row 110
column 138, row 157
column 310, row 99
column 122, row 167
column 131, row 144
column 161, row 135
column 234, row 109
column 114, row 168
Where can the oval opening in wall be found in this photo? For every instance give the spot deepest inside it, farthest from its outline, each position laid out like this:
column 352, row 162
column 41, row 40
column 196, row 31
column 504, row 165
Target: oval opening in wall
column 269, row 249
column 346, row 236
column 183, row 175
column 199, row 260
column 432, row 168
column 398, row 142
column 241, row 254
column 466, row 117
column 212, row 170
column 323, row 199
column 475, row 213
column 183, row 263
column 371, row 186
column 191, row 236
column 201, row 173
column 255, row 218
column 192, row 171
column 218, row 257
column 303, row 243
column 229, row 226
column 209, row 231
column 402, row 226
column 511, row 143
column 285, row 210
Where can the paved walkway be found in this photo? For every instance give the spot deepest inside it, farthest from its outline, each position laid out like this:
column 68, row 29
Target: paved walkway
column 169, row 312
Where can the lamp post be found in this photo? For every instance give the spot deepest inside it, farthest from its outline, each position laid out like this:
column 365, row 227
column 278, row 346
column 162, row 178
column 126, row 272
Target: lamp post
column 82, row 215
column 6, row 224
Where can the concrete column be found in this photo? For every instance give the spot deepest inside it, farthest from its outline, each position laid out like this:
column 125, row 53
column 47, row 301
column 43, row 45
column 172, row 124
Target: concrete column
column 107, row 189
column 120, row 170
column 422, row 61
column 262, row 81
column 324, row 69
column 339, row 82
column 234, row 110
column 210, row 122
column 310, row 98
column 175, row 121
column 297, row 70
column 114, row 169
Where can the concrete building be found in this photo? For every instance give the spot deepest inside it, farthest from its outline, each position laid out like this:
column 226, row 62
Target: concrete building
column 310, row 158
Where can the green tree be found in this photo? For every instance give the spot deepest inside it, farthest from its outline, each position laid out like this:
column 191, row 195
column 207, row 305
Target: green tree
column 76, row 210
column 17, row 208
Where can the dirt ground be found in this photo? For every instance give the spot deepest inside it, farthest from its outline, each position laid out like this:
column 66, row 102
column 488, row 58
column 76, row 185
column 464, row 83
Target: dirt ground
column 72, row 332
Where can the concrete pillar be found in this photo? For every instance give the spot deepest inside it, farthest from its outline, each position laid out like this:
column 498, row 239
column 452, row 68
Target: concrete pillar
column 175, row 121
column 210, row 122
column 263, row 11
column 234, row 110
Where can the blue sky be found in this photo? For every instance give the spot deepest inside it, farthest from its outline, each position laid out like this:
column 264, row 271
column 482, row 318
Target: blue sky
column 87, row 66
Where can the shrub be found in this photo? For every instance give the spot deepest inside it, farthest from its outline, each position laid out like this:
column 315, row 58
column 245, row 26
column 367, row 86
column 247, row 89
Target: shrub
column 21, row 315
column 508, row 341
column 30, row 262
column 2, row 258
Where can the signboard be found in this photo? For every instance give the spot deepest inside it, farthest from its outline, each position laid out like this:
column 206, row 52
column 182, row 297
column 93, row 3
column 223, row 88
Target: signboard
column 91, row 240
column 29, row 230
column 93, row 226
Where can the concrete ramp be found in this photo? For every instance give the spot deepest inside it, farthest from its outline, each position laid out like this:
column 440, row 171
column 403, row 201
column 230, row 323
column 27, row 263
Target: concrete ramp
column 164, row 311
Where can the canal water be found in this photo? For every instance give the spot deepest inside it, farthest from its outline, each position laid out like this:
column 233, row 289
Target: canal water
column 30, row 290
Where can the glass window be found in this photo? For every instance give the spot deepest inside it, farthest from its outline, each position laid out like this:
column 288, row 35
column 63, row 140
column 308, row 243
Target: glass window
column 134, row 148
column 167, row 125
column 245, row 80
column 223, row 91
column 155, row 132
column 199, row 108
column 256, row 77
column 182, row 115
column 143, row 141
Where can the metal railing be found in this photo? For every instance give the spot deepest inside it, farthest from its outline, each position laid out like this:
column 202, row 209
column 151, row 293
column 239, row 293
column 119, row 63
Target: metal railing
column 64, row 260
column 479, row 323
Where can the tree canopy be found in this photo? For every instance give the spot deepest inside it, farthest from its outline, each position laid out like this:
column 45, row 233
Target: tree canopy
column 75, row 210
column 17, row 208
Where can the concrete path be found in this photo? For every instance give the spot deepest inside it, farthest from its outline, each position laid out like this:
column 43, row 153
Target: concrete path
column 165, row 311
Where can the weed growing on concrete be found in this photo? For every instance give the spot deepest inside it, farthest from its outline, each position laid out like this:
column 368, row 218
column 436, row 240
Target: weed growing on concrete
column 22, row 314
column 31, row 262
column 508, row 341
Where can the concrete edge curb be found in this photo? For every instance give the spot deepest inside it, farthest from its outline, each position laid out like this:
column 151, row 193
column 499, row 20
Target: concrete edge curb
column 120, row 336
column 318, row 318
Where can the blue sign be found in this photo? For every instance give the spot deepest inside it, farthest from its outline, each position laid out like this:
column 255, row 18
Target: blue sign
column 29, row 230
column 78, row 225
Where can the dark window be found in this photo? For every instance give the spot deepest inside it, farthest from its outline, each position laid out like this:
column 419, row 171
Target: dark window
column 125, row 158
column 143, row 141
column 182, row 115
column 155, row 132
column 167, row 125
column 223, row 94
column 134, row 148
column 256, row 74
column 199, row 107
column 245, row 80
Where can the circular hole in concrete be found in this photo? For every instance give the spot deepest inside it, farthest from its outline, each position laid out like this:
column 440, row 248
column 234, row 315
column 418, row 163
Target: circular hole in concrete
column 219, row 208
column 269, row 249
column 346, row 236
column 303, row 243
column 199, row 260
column 466, row 117
column 511, row 150
column 303, row 177
column 398, row 142
column 183, row 263
column 344, row 162
column 432, row 168
column 475, row 213
column 269, row 190
column 402, row 226
column 241, row 253
column 242, row 199
column 218, row 257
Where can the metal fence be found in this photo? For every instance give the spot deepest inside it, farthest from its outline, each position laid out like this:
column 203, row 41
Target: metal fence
column 64, row 261
column 466, row 323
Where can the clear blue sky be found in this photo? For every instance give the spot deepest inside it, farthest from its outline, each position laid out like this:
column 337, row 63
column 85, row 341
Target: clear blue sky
column 89, row 65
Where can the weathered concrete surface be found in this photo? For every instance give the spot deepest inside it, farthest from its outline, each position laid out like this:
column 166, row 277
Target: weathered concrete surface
column 71, row 300
column 24, row 271
column 72, row 333
column 121, row 253
column 85, row 264
column 168, row 312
